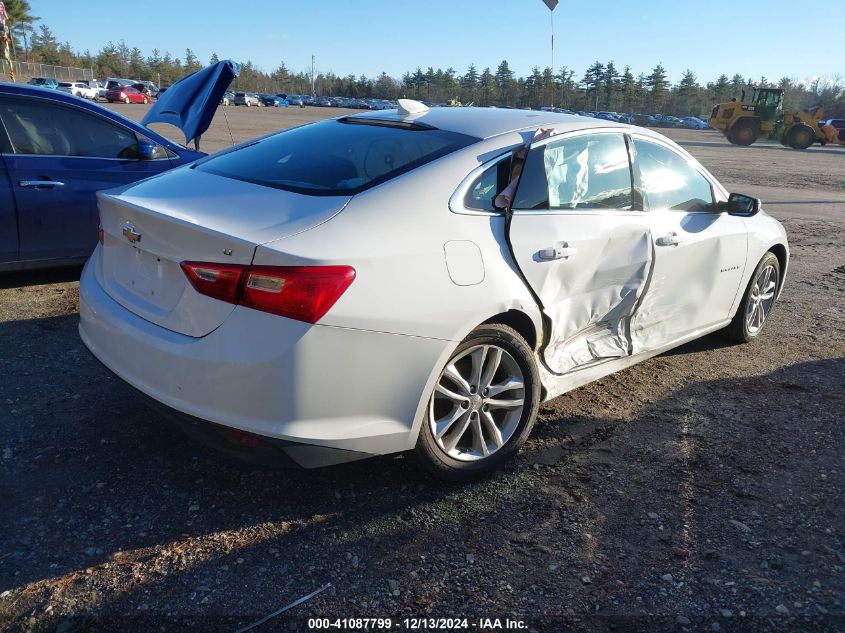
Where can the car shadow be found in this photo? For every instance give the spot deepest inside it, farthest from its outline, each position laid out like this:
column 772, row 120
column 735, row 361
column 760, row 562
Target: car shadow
column 104, row 491
column 714, row 341
column 18, row 279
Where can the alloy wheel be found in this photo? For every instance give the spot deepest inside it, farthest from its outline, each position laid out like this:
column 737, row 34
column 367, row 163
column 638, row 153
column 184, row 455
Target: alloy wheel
column 761, row 298
column 477, row 403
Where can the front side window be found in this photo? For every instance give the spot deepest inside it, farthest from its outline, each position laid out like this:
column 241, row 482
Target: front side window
column 335, row 157
column 670, row 181
column 49, row 129
column 583, row 172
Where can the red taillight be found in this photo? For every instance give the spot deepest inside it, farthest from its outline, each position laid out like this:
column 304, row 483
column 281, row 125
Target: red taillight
column 304, row 293
column 220, row 281
column 101, row 236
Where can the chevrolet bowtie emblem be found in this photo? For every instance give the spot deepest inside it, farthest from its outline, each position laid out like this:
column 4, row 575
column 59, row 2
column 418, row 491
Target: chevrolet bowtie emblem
column 131, row 234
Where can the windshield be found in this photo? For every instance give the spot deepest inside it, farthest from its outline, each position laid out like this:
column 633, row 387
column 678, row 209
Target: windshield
column 335, row 157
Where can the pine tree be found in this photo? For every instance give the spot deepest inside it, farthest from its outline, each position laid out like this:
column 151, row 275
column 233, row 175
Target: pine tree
column 737, row 86
column 628, row 88
column 46, row 46
column 610, row 85
column 658, row 87
column 505, row 83
column 592, row 82
column 469, row 84
column 214, row 59
column 688, row 90
column 722, row 89
column 191, row 62
column 488, row 91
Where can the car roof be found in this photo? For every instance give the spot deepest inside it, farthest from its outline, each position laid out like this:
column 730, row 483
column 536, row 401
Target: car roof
column 489, row 122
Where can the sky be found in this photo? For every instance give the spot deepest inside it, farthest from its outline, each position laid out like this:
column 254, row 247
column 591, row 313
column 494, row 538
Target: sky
column 750, row 37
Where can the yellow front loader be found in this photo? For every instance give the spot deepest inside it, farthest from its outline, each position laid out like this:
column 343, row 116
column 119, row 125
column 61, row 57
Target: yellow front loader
column 743, row 122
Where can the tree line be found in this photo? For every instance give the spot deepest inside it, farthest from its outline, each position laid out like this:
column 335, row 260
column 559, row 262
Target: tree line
column 604, row 86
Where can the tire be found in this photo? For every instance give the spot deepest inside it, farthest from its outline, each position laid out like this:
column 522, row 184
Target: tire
column 800, row 136
column 111, row 100
column 126, row 101
column 146, row 101
column 479, row 437
column 745, row 132
column 743, row 328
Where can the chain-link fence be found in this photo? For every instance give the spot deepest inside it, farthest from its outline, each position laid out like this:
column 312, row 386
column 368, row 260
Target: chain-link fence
column 24, row 71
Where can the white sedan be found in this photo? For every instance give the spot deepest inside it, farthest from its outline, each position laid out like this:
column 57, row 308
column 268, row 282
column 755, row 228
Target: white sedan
column 80, row 89
column 416, row 281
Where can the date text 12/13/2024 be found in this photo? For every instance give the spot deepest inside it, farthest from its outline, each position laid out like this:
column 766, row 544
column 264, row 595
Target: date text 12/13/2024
column 416, row 624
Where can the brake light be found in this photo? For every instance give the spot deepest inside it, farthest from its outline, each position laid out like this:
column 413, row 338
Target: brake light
column 304, row 293
column 101, row 236
column 219, row 281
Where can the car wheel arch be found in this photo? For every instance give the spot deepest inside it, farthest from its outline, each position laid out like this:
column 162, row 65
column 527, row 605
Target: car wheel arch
column 519, row 321
column 779, row 251
column 528, row 322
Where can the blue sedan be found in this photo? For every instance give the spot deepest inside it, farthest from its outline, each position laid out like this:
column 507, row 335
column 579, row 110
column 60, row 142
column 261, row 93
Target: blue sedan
column 57, row 151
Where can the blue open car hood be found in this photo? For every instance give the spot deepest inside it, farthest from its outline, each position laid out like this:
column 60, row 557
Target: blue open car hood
column 190, row 103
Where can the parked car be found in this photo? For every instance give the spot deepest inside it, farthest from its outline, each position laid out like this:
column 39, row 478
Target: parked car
column 144, row 88
column 57, row 151
column 693, row 123
column 272, row 101
column 643, row 120
column 289, row 314
column 79, row 89
column 91, row 83
column 607, row 116
column 228, row 98
column 150, row 87
column 246, row 99
column 113, row 82
column 44, row 82
column 294, row 100
column 126, row 94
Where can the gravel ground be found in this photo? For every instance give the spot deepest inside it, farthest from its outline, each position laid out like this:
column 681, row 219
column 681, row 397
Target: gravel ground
column 701, row 490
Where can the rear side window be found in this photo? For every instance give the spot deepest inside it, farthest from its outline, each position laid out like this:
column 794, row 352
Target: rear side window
column 335, row 157
column 583, row 172
column 670, row 181
column 487, row 186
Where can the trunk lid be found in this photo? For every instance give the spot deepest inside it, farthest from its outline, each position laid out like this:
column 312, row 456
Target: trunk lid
column 152, row 226
column 191, row 102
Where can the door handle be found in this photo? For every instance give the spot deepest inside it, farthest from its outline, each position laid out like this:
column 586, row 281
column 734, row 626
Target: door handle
column 41, row 184
column 561, row 250
column 668, row 240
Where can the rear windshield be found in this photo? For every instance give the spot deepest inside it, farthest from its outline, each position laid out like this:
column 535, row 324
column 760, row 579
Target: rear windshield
column 335, row 157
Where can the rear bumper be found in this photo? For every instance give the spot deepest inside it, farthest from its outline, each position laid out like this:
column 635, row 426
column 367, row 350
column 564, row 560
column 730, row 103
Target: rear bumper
column 250, row 447
column 332, row 387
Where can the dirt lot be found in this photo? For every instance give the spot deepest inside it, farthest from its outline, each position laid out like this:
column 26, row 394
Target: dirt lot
column 701, row 490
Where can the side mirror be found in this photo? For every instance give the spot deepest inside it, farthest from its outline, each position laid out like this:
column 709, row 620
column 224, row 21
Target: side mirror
column 739, row 204
column 146, row 149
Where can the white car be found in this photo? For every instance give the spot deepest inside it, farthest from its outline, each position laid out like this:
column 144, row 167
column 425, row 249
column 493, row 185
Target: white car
column 246, row 98
column 415, row 280
column 79, row 89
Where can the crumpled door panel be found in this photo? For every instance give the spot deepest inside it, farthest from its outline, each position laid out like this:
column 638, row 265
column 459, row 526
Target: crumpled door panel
column 589, row 296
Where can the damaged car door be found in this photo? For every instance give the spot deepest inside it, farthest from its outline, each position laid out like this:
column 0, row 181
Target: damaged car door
column 580, row 236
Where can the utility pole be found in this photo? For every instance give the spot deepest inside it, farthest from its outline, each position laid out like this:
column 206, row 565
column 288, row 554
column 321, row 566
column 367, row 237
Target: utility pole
column 551, row 4
column 313, row 94
column 552, row 20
